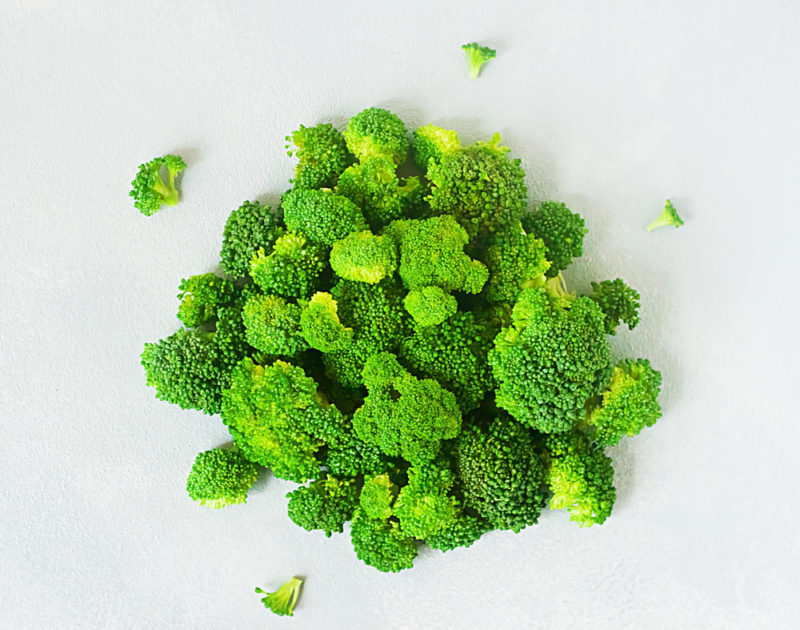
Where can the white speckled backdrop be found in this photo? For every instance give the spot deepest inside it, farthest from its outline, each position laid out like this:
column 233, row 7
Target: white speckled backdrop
column 612, row 106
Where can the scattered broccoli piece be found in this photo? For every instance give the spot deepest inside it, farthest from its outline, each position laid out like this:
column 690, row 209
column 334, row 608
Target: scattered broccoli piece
column 618, row 302
column 321, row 326
column 282, row 601
column 375, row 132
column 380, row 544
column 364, row 257
column 321, row 215
column 430, row 305
column 561, row 230
column 201, row 296
column 668, row 216
column 248, row 229
column 431, row 143
column 321, row 156
column 326, row 504
column 149, row 190
column 273, row 325
column 476, row 57
column 296, row 268
column 220, row 477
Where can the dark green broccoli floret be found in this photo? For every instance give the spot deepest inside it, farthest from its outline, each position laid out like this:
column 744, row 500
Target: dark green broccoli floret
column 321, row 156
column 220, row 477
column 322, row 328
column 380, row 544
column 321, row 215
column 378, row 495
column 356, row 457
column 201, row 296
column 273, row 325
column 296, row 268
column 465, row 530
column 375, row 132
column 282, row 601
column 516, row 261
column 249, row 228
column 668, row 216
column 561, row 230
column 430, row 305
column 618, row 302
column 424, row 506
column 326, row 504
column 477, row 56
column 431, row 143
column 149, row 190
column 364, row 257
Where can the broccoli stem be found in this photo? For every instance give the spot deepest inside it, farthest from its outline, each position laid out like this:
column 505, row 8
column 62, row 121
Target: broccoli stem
column 168, row 192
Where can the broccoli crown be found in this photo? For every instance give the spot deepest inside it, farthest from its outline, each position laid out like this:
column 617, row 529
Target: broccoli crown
column 516, row 261
column 477, row 55
column 668, row 216
column 501, row 474
column 355, row 457
column 321, row 326
column 326, row 503
column 378, row 495
column 431, row 143
column 149, row 190
column 424, row 506
column 618, row 302
column 629, row 404
column 480, row 186
column 430, row 305
column 321, row 156
column 404, row 415
column 296, row 268
column 374, row 132
column 249, row 228
column 201, row 296
column 462, row 532
column 551, row 360
column 273, row 325
column 380, row 543
column 561, row 230
column 364, row 257
column 282, row 601
column 581, row 478
column 220, row 477
column 321, row 215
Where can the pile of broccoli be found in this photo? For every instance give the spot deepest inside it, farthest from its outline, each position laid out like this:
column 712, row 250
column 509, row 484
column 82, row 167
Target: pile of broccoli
column 405, row 348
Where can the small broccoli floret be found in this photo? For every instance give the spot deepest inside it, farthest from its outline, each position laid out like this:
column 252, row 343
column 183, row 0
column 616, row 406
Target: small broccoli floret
column 322, row 328
column 581, row 478
column 249, row 228
column 480, row 186
column 375, row 132
column 321, row 215
column 516, row 261
column 364, row 257
column 321, row 156
column 430, row 305
column 356, row 457
column 465, row 530
column 501, row 475
column 220, row 477
column 424, row 506
column 380, row 544
column 201, row 296
column 149, row 190
column 431, row 143
column 282, row 601
column 477, row 56
column 618, row 302
column 561, row 230
column 326, row 504
column 273, row 325
column 378, row 495
column 404, row 415
column 629, row 404
column 295, row 269
column 668, row 216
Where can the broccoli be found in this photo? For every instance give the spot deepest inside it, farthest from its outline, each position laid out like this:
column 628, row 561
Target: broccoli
column 476, row 57
column 378, row 495
column 380, row 543
column 466, row 529
column 618, row 302
column 296, row 268
column 220, row 477
column 149, row 190
column 430, row 305
column 201, row 296
column 424, row 507
column 282, row 601
column 431, row 143
column 561, row 230
column 321, row 215
column 249, row 228
column 272, row 325
column 321, row 326
column 326, row 504
column 516, row 261
column 668, row 216
column 321, row 156
column 374, row 132
column 364, row 257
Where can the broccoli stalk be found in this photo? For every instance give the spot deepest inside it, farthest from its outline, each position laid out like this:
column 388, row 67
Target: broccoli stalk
column 477, row 56
column 282, row 601
column 668, row 216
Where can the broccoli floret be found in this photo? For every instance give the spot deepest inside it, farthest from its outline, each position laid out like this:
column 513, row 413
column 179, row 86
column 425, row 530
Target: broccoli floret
column 273, row 325
column 516, row 261
column 465, row 530
column 356, row 457
column 424, row 506
column 477, row 56
column 431, row 143
column 430, row 305
column 668, row 216
column 201, row 296
column 321, row 326
column 404, row 415
column 375, row 132
column 480, row 186
column 380, row 544
column 364, row 257
column 220, row 477
column 321, row 215
column 618, row 302
column 326, row 504
column 149, row 190
column 629, row 404
column 321, row 156
column 249, row 228
column 561, row 230
column 501, row 475
column 581, row 478
column 296, row 268
column 282, row 601
column 378, row 495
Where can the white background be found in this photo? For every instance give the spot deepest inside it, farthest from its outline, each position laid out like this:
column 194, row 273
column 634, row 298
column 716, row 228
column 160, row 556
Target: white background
column 612, row 106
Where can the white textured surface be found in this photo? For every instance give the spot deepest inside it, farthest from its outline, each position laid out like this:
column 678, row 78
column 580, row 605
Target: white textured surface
column 613, row 106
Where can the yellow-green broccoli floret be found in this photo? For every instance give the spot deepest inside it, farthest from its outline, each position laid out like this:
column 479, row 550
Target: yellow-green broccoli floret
column 431, row 143
column 220, row 477
column 326, row 503
column 273, row 325
column 425, row 506
column 321, row 326
column 430, row 305
column 149, row 190
column 378, row 495
column 619, row 303
column 377, row 131
column 321, row 156
column 296, row 268
column 379, row 543
column 364, row 257
column 561, row 230
column 282, row 601
column 477, row 55
column 201, row 296
column 516, row 261
column 668, row 216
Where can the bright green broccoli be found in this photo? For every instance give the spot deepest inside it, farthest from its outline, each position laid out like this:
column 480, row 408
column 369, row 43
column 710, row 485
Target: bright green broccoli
column 477, row 56
column 465, row 530
column 296, row 268
column 375, row 132
column 149, row 190
column 322, row 328
column 424, row 507
column 431, row 143
column 668, row 216
column 282, row 601
column 326, row 503
column 618, row 302
column 273, row 325
column 380, row 543
column 220, row 477
column 248, row 229
column 321, row 156
column 201, row 296
column 364, row 257
column 430, row 305
column 321, row 215
column 516, row 261
column 378, row 495
column 561, row 230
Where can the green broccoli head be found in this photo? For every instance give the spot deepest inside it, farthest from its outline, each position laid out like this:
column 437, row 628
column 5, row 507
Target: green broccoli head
column 321, row 156
column 430, row 305
column 321, row 215
column 248, row 229
column 364, row 257
column 321, row 326
column 149, row 190
column 378, row 495
column 379, row 543
column 466, row 529
column 220, row 477
column 201, row 296
column 375, row 132
column 516, row 261
column 296, row 268
column 669, row 216
column 273, row 325
column 618, row 302
column 282, row 601
column 561, row 230
column 431, row 143
column 326, row 503
column 477, row 56
column 424, row 507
